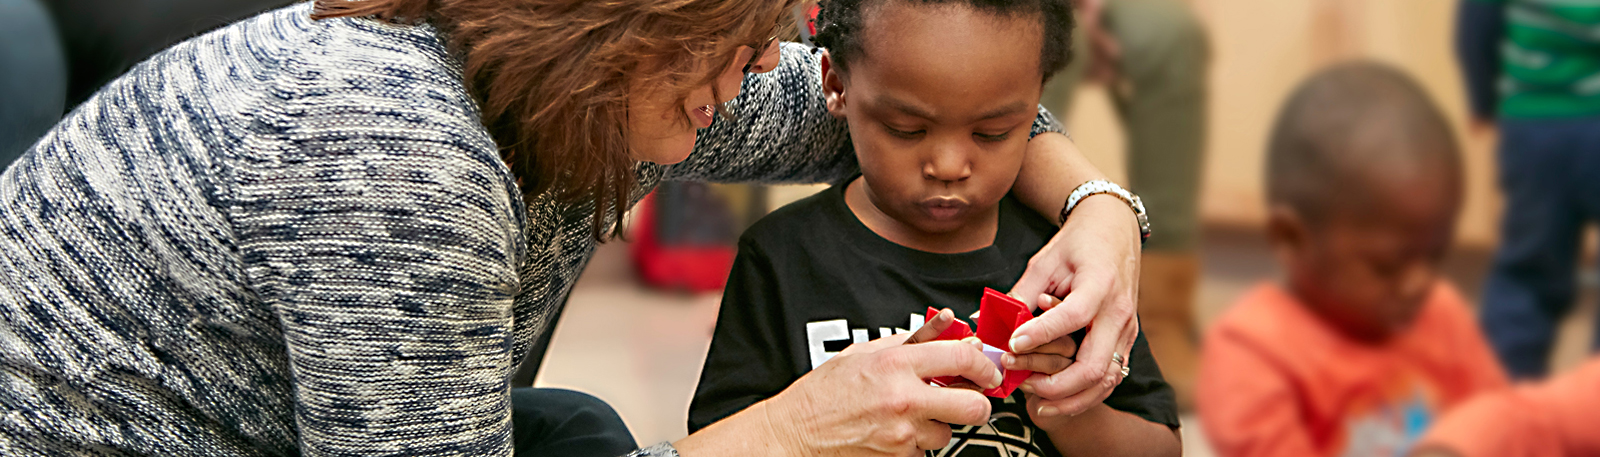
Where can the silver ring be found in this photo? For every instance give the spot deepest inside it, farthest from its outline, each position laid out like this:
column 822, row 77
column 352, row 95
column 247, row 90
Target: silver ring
column 1125, row 371
column 1117, row 359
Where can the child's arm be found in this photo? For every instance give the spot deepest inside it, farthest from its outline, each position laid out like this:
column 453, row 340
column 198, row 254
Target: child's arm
column 1480, row 25
column 1554, row 418
column 1248, row 408
column 748, row 360
column 1102, row 429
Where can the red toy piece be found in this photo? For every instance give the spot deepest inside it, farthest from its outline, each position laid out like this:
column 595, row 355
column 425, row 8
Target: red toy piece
column 998, row 316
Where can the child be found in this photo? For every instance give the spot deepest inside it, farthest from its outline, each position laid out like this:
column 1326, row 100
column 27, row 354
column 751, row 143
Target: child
column 1364, row 344
column 939, row 97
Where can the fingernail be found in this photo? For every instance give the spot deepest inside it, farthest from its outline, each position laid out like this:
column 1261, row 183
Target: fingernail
column 1026, row 387
column 974, row 341
column 1021, row 343
column 944, row 315
column 1008, row 360
column 1047, row 411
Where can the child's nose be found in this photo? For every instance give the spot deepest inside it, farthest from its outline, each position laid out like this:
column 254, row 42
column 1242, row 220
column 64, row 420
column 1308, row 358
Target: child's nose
column 949, row 165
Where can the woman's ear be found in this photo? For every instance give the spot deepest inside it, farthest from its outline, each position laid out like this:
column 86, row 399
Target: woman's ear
column 832, row 86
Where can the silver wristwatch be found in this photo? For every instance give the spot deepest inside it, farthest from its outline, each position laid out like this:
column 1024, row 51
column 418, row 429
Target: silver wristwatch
column 1107, row 187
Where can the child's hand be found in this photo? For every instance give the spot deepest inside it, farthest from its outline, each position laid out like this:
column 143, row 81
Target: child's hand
column 1045, row 360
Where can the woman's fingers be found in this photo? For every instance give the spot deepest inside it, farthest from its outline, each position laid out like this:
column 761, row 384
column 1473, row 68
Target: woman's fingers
column 953, row 406
column 1073, row 313
column 932, row 435
column 949, row 358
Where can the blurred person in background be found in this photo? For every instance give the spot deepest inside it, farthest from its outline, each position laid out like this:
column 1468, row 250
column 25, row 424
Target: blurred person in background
column 55, row 54
column 1363, row 343
column 330, row 229
column 33, row 76
column 1554, row 418
column 1533, row 69
column 1153, row 57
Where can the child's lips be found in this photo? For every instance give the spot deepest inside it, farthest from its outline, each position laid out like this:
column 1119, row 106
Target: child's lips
column 944, row 208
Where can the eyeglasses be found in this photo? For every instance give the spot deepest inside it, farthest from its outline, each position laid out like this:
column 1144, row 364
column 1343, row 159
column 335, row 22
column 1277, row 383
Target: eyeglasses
column 760, row 51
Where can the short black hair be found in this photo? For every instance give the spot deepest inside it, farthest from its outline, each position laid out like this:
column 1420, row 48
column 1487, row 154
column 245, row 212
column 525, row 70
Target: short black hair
column 839, row 27
column 1345, row 123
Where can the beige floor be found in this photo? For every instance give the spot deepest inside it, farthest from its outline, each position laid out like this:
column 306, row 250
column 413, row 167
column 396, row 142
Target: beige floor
column 641, row 350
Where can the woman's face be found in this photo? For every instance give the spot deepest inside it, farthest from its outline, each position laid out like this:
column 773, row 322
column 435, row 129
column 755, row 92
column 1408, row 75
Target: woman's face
column 657, row 130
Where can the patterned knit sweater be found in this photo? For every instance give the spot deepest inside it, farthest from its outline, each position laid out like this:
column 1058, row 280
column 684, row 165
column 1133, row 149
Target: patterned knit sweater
column 295, row 237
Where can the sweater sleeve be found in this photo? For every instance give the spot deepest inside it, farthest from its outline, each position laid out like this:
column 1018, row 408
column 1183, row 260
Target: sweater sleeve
column 383, row 236
column 1480, row 25
column 783, row 132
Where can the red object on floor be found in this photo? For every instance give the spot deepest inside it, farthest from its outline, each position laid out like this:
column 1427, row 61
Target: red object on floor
column 999, row 315
column 695, row 268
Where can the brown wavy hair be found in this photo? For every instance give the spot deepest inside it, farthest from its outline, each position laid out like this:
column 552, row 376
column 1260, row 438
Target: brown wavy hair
column 551, row 77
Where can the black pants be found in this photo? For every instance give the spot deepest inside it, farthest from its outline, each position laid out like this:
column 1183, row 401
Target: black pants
column 563, row 423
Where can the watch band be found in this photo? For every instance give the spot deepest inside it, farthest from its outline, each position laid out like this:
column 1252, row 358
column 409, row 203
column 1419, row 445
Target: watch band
column 1100, row 186
column 662, row 449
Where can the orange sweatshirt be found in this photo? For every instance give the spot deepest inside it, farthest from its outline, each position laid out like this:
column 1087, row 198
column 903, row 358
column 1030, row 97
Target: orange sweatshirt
column 1560, row 417
column 1275, row 380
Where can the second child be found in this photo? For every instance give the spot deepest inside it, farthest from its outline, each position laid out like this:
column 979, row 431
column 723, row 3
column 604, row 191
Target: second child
column 1363, row 344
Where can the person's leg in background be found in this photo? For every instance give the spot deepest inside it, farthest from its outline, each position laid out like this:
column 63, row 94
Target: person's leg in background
column 33, row 76
column 1160, row 95
column 565, row 423
column 1531, row 283
column 1587, row 183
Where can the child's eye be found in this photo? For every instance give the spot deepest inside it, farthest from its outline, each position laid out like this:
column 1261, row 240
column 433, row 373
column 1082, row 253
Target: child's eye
column 907, row 134
column 993, row 138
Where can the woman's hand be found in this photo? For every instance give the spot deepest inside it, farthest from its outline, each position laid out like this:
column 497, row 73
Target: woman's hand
column 1093, row 263
column 870, row 400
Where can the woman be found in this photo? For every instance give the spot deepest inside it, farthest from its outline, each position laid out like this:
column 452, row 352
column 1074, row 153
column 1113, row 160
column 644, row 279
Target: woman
column 335, row 236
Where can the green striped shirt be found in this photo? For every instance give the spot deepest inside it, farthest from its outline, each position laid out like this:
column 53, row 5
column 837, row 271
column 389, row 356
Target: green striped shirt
column 1550, row 58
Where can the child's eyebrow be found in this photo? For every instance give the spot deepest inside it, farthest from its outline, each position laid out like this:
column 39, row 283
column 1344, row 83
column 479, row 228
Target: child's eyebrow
column 1004, row 111
column 904, row 107
column 907, row 108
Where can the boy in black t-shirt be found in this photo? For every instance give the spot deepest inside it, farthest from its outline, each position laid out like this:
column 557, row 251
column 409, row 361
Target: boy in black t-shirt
column 939, row 98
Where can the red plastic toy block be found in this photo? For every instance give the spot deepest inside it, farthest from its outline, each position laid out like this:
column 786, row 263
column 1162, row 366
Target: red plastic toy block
column 998, row 316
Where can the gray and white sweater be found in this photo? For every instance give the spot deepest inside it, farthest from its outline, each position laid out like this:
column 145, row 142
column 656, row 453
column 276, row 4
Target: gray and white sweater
column 291, row 236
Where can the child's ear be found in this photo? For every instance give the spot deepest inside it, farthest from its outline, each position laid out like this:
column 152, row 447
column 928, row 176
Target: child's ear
column 1288, row 234
column 832, row 86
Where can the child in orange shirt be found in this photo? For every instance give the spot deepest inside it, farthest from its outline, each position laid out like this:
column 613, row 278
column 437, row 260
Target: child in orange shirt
column 1363, row 345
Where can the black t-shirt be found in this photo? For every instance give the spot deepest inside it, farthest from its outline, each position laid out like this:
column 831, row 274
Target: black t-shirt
column 811, row 279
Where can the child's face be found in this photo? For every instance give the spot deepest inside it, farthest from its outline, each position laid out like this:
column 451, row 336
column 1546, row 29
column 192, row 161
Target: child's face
column 939, row 104
column 1368, row 270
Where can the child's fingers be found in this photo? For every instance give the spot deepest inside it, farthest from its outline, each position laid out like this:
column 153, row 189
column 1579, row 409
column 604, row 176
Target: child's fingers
column 1042, row 363
column 933, row 327
column 1064, row 346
